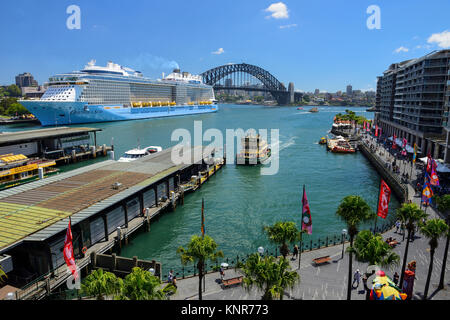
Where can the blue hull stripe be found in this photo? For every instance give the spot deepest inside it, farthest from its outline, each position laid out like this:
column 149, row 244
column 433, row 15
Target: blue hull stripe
column 52, row 113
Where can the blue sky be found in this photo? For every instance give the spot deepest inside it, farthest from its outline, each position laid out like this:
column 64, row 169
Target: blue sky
column 315, row 44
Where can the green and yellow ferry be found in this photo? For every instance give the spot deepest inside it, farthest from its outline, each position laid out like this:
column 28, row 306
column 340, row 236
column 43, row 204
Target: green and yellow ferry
column 19, row 169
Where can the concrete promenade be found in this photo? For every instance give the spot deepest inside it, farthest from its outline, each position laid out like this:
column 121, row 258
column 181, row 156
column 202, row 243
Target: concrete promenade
column 329, row 281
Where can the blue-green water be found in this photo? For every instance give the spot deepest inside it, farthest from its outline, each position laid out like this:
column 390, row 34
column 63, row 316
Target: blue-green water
column 239, row 201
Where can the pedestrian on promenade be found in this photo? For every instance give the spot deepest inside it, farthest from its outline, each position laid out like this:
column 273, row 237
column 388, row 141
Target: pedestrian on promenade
column 295, row 253
column 396, row 277
column 397, row 225
column 170, row 276
column 174, row 282
column 356, row 278
column 222, row 273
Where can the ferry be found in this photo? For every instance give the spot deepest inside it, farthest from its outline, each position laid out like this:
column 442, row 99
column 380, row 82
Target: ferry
column 114, row 93
column 16, row 169
column 340, row 145
column 313, row 110
column 254, row 151
column 134, row 154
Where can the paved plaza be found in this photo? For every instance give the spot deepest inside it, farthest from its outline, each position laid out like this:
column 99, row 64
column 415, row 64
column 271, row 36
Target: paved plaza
column 329, row 281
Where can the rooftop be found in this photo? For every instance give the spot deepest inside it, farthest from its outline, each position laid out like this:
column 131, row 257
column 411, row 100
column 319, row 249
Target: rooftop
column 38, row 210
column 19, row 136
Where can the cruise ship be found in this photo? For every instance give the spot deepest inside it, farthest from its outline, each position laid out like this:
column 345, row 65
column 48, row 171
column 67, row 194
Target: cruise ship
column 114, row 93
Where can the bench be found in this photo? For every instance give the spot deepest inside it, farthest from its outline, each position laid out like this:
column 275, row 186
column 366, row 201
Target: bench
column 321, row 260
column 232, row 281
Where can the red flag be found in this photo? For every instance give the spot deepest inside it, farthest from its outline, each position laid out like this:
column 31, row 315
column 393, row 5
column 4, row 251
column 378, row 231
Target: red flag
column 68, row 252
column 429, row 163
column 383, row 201
column 394, row 143
column 306, row 214
column 376, row 130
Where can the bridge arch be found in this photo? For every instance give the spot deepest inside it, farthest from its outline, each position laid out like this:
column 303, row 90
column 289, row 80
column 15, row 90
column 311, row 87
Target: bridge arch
column 213, row 76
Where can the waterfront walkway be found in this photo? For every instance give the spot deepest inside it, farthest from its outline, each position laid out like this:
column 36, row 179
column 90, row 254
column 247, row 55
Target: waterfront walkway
column 329, row 281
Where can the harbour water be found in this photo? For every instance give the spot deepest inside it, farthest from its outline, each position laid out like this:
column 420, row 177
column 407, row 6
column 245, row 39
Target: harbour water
column 239, row 201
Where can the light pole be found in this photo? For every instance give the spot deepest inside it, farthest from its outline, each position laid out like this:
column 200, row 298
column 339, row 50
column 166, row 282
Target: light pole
column 344, row 233
column 261, row 251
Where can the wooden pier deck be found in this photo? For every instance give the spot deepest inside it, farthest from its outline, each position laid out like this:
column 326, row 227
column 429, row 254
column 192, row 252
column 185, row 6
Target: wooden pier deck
column 80, row 192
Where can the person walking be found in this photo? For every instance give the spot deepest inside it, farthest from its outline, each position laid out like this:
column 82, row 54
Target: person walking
column 170, row 276
column 222, row 273
column 295, row 254
column 356, row 278
column 397, row 225
column 395, row 278
column 174, row 282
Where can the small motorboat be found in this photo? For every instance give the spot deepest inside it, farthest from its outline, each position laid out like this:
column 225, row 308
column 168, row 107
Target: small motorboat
column 299, row 108
column 136, row 153
column 323, row 140
column 314, row 110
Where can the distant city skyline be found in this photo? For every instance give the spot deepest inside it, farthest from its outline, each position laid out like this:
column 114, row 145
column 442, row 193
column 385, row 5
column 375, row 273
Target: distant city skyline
column 324, row 44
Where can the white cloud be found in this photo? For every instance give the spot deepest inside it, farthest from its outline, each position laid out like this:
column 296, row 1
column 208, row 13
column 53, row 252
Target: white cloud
column 442, row 39
column 279, row 11
column 219, row 51
column 287, row 26
column 401, row 49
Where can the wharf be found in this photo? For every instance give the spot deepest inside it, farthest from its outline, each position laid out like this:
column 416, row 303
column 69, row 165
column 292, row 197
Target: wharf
column 99, row 198
column 62, row 144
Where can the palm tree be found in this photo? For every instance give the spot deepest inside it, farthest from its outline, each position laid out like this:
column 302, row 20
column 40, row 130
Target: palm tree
column 353, row 210
column 372, row 249
column 142, row 285
column 444, row 208
column 270, row 275
column 433, row 229
column 283, row 233
column 199, row 250
column 101, row 284
column 410, row 214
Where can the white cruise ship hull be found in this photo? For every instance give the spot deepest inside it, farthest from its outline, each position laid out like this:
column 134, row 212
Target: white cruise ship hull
column 51, row 113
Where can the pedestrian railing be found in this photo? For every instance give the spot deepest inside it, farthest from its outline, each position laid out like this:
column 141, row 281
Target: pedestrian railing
column 308, row 244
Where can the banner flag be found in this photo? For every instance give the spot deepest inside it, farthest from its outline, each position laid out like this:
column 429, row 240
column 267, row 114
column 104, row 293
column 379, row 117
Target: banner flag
column 306, row 214
column 383, row 201
column 68, row 252
column 427, row 192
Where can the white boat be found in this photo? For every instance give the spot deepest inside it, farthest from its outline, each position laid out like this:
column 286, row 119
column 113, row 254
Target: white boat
column 137, row 153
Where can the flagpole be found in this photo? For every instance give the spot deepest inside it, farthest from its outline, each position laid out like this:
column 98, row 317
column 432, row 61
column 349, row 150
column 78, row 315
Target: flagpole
column 378, row 208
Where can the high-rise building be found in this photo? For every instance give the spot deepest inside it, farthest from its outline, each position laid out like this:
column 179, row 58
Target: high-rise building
column 413, row 104
column 316, row 92
column 349, row 90
column 25, row 80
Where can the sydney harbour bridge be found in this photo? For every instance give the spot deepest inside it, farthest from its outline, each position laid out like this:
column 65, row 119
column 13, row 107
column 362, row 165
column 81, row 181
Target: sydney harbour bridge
column 248, row 77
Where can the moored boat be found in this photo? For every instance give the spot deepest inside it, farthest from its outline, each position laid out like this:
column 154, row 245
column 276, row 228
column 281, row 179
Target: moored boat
column 340, row 145
column 134, row 154
column 323, row 140
column 17, row 169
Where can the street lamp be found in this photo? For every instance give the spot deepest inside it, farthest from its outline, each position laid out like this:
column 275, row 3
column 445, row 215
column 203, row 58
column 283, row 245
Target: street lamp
column 152, row 271
column 344, row 233
column 261, row 250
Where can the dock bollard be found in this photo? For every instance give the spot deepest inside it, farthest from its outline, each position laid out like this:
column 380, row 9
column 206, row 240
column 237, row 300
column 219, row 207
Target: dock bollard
column 104, row 150
column 74, row 156
column 111, row 153
column 93, row 151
